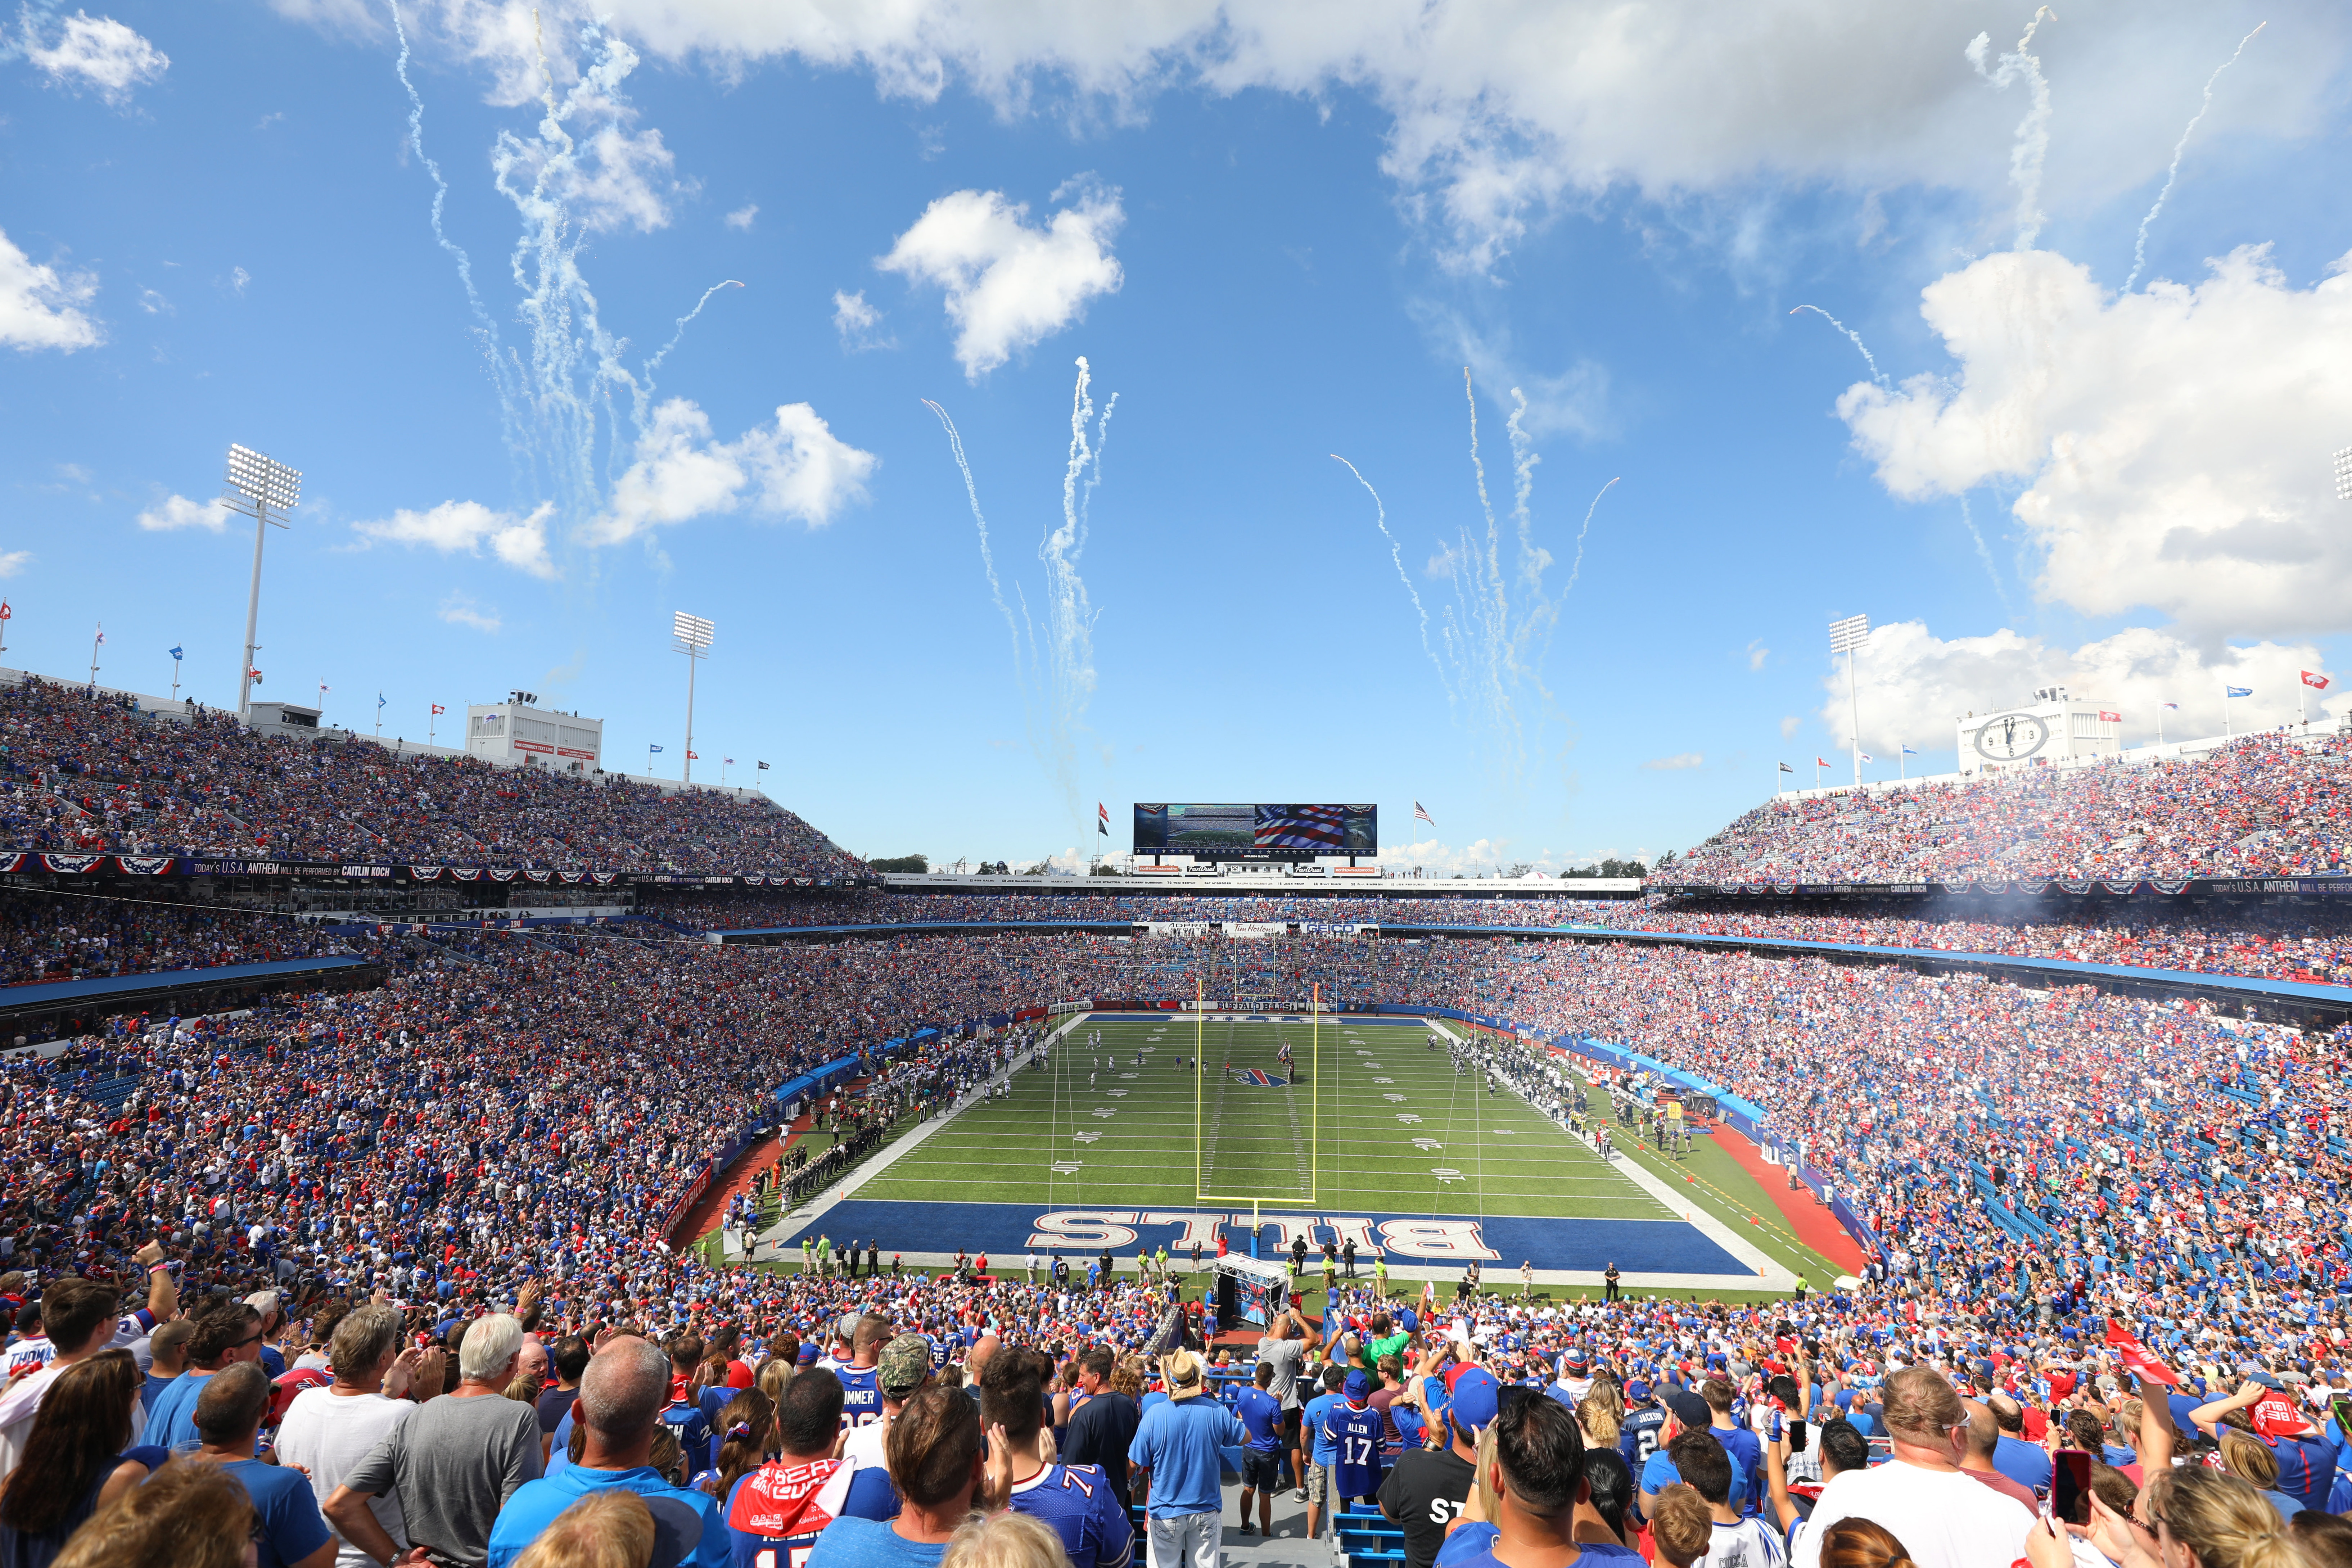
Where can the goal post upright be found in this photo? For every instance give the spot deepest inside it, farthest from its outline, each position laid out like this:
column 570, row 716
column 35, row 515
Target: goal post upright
column 1315, row 1094
column 1199, row 1081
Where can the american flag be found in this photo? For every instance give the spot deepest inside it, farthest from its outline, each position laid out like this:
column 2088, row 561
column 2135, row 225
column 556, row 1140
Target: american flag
column 1423, row 815
column 1319, row 827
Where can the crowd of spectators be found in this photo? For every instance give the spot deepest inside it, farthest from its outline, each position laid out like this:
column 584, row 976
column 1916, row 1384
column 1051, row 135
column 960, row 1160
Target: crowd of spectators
column 46, row 936
column 2272, row 805
column 93, row 773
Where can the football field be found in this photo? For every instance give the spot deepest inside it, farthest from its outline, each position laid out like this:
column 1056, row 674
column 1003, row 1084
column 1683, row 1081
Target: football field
column 1132, row 1133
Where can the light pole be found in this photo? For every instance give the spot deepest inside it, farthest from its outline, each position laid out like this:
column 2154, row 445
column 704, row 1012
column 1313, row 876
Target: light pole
column 258, row 486
column 690, row 635
column 95, row 643
column 177, row 651
column 1846, row 637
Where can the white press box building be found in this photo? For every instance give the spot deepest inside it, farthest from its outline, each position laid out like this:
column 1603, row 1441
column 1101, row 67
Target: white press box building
column 517, row 735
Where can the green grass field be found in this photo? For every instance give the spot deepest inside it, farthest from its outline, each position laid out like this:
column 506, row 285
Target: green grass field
column 1385, row 1125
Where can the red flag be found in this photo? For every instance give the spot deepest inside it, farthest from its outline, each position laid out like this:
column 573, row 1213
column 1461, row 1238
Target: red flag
column 2136, row 1356
column 2107, row 717
column 2316, row 682
column 1819, row 764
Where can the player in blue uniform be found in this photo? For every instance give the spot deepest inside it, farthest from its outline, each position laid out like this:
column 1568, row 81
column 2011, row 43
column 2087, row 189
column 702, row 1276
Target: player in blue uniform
column 1354, row 1429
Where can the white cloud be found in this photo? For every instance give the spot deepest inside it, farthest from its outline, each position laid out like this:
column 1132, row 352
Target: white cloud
column 1500, row 111
column 179, row 511
column 858, row 321
column 1789, row 725
column 1680, row 761
column 1757, row 654
column 153, row 304
column 741, row 216
column 14, row 561
column 461, row 611
column 1914, row 687
column 40, row 307
column 2172, row 444
column 98, row 52
column 238, row 277
column 467, row 526
column 1010, row 285
column 795, row 468
column 622, row 178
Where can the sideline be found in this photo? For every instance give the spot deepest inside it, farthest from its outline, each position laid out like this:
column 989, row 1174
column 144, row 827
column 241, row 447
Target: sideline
column 1769, row 1275
column 789, row 1226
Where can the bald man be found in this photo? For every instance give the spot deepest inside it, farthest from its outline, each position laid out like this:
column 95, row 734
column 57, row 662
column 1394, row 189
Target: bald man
column 619, row 1407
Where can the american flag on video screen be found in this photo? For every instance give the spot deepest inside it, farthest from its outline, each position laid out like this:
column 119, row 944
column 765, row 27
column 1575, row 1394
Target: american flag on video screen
column 1322, row 828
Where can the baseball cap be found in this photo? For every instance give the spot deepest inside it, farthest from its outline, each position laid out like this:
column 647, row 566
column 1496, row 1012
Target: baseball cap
column 1474, row 1398
column 1689, row 1408
column 1575, row 1361
column 1637, row 1391
column 903, row 1365
column 808, row 1355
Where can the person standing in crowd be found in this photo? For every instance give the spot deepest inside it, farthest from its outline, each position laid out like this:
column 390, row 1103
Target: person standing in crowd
column 1179, row 1444
column 288, row 1531
column 1077, row 1501
column 1283, row 1348
column 228, row 1335
column 77, row 1457
column 1944, row 1517
column 328, row 1431
column 1425, row 1490
column 621, row 1400
column 1534, row 1471
column 937, row 1457
column 80, row 1318
column 1102, row 1430
column 1260, row 1413
column 454, row 1463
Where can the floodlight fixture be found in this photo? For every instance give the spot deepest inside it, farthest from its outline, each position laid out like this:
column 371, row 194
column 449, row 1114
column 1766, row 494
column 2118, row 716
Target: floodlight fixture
column 690, row 635
column 259, row 486
column 1848, row 636
column 2344, row 474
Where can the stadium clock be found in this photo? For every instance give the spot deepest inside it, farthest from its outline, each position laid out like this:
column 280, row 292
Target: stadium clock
column 2011, row 737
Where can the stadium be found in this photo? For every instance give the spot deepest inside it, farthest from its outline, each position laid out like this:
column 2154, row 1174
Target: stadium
column 800, row 1090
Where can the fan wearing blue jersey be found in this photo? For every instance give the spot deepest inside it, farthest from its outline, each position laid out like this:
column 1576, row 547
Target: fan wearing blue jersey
column 1537, row 1474
column 1354, row 1429
column 1076, row 1502
column 861, row 1402
column 1261, row 1416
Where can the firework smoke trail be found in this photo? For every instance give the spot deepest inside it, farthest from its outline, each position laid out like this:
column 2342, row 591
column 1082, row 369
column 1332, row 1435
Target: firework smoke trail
column 574, row 363
column 1985, row 555
column 1856, row 337
column 2025, row 158
column 2139, row 245
column 1069, row 618
column 655, row 363
column 1577, row 569
column 485, row 329
column 1396, row 556
column 987, row 556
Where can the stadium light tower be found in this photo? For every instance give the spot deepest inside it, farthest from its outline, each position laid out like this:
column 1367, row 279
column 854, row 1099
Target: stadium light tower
column 2344, row 474
column 1846, row 637
column 258, row 487
column 690, row 635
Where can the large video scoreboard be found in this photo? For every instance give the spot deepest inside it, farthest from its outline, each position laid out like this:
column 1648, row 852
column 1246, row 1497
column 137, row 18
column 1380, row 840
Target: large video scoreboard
column 1256, row 831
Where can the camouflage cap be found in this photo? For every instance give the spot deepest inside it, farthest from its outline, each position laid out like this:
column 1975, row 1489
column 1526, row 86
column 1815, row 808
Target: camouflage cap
column 904, row 1364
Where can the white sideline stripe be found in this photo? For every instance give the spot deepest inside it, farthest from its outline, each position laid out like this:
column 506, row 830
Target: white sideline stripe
column 1772, row 1276
column 1766, row 1275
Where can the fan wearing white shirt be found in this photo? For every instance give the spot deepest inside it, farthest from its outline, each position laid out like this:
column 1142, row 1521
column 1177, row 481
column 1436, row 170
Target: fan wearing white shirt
column 327, row 1431
column 1944, row 1518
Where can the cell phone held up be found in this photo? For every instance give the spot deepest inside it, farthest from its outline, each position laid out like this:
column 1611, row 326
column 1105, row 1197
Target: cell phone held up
column 2070, row 1486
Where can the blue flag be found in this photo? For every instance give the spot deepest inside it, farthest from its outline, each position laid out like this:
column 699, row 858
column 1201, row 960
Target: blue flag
column 176, row 653
column 653, row 748
column 2237, row 691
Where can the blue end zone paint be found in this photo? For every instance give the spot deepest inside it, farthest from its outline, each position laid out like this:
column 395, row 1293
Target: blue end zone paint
column 1010, row 1231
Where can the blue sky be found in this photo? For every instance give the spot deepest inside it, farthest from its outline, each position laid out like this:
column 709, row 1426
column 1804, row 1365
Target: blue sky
column 1275, row 234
